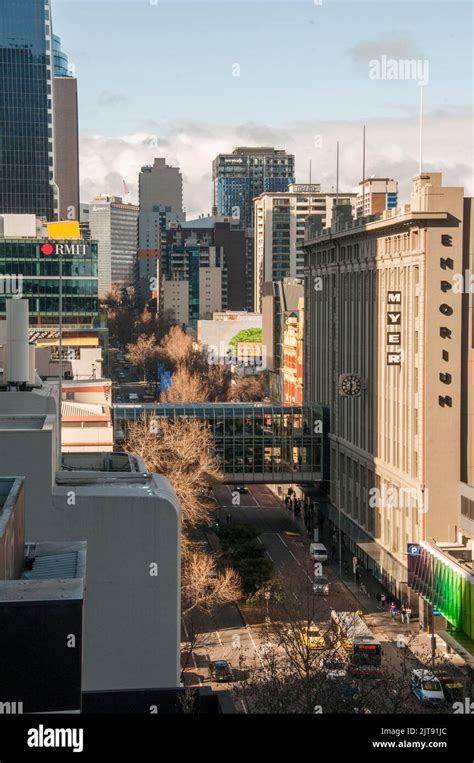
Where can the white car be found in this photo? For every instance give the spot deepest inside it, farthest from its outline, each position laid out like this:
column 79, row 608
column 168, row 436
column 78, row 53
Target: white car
column 318, row 552
column 426, row 687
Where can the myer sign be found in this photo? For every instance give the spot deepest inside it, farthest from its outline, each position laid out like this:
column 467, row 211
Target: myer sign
column 64, row 249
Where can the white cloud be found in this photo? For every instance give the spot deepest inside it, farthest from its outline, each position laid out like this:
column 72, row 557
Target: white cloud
column 391, row 150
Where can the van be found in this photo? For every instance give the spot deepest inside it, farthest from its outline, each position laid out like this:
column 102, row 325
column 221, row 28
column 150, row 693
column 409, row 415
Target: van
column 318, row 552
column 133, row 397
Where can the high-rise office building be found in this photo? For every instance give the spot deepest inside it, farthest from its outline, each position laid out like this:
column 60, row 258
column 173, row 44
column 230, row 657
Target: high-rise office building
column 279, row 231
column 228, row 235
column 115, row 226
column 66, row 134
column 160, row 192
column 246, row 173
column 194, row 276
column 26, row 109
column 160, row 185
column 374, row 195
column 388, row 347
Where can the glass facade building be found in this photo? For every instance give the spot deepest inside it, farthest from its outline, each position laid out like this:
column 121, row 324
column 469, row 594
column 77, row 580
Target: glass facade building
column 60, row 60
column 246, row 173
column 37, row 275
column 254, row 443
column 26, row 109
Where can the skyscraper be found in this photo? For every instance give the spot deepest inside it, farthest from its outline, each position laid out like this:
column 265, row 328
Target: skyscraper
column 246, row 173
column 114, row 225
column 279, row 230
column 66, row 134
column 160, row 186
column 26, row 109
column 160, row 191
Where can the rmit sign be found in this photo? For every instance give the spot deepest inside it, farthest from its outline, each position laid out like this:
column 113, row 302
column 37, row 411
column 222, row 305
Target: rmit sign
column 71, row 249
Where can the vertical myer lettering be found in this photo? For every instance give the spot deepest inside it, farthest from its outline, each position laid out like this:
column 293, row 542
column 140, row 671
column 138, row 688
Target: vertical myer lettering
column 446, row 378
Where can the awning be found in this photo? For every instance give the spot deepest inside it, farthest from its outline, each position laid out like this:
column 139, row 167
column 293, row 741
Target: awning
column 391, row 566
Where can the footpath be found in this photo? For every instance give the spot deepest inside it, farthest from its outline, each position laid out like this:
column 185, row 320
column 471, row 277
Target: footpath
column 378, row 619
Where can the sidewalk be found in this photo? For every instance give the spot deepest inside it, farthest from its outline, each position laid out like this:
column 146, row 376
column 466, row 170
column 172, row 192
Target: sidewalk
column 380, row 620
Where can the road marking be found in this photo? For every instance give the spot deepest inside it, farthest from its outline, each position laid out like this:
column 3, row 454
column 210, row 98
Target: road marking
column 218, row 638
column 259, row 539
column 300, row 565
column 269, row 556
column 253, row 643
column 285, row 545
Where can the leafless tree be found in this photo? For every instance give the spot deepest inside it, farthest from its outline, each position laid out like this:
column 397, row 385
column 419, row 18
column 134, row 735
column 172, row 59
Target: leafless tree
column 185, row 388
column 142, row 352
column 182, row 450
column 203, row 587
column 246, row 389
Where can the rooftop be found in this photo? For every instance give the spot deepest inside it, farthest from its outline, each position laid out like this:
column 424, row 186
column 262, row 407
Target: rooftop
column 22, row 422
column 52, row 571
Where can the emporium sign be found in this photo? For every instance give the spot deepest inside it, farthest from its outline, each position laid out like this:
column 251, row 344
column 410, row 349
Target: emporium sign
column 71, row 249
column 394, row 325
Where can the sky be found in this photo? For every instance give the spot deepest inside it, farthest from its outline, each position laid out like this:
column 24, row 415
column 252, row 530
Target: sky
column 189, row 80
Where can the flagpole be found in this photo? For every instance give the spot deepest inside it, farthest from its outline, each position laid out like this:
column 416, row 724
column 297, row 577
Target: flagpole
column 420, row 160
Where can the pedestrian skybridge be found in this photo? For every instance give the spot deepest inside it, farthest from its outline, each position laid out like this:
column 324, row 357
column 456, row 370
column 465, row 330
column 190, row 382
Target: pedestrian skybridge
column 256, row 442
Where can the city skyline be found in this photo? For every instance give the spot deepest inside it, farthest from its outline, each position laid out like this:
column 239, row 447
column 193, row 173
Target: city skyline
column 125, row 120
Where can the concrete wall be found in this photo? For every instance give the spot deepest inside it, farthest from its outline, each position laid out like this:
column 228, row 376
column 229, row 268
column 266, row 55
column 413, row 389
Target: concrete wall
column 31, row 454
column 132, row 618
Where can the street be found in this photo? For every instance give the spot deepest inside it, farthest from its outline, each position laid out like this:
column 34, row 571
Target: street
column 233, row 631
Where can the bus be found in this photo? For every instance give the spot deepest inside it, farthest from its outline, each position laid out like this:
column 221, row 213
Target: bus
column 364, row 652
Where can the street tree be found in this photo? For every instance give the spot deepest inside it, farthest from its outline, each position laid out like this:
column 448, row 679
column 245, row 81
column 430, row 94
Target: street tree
column 142, row 352
column 246, row 389
column 182, row 450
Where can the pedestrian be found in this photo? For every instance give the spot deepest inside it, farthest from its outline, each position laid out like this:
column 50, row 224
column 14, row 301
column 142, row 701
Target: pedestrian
column 300, row 461
column 333, row 550
column 229, row 518
column 378, row 598
column 402, row 613
column 407, row 615
column 357, row 573
column 393, row 610
column 383, row 600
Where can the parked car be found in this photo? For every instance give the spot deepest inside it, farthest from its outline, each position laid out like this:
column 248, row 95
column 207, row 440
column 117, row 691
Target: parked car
column 221, row 671
column 321, row 585
column 426, row 687
column 241, row 489
column 318, row 552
